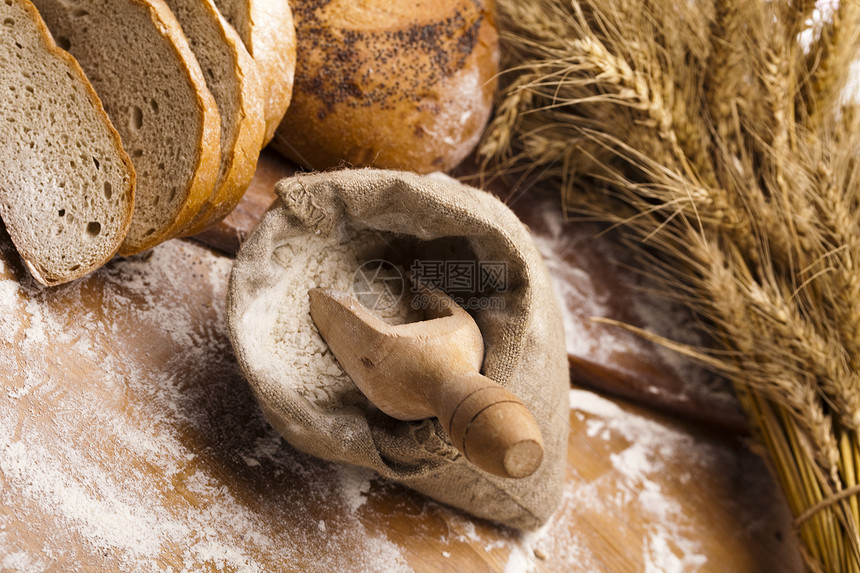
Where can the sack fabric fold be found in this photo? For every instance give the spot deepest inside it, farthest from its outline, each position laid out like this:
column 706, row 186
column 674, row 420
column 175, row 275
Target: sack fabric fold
column 320, row 226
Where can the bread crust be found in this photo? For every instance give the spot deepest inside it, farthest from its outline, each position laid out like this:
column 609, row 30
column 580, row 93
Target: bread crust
column 205, row 176
column 406, row 86
column 128, row 193
column 241, row 160
column 272, row 43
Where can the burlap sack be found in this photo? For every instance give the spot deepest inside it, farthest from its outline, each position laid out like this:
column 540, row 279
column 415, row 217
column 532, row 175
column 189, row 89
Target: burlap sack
column 308, row 398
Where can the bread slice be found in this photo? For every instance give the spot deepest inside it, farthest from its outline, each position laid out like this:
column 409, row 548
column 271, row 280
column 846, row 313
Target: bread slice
column 231, row 76
column 66, row 184
column 140, row 63
column 266, row 27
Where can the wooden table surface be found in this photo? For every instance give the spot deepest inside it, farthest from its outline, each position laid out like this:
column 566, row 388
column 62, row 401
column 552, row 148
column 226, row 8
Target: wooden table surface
column 129, row 441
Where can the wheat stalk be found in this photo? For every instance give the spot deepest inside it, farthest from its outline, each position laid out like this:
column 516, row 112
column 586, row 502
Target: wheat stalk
column 717, row 135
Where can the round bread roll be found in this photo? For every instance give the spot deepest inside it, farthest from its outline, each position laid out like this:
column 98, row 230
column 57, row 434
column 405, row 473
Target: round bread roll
column 395, row 85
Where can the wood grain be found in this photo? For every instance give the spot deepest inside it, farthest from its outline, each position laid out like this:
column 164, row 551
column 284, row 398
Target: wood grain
column 230, row 233
column 130, row 442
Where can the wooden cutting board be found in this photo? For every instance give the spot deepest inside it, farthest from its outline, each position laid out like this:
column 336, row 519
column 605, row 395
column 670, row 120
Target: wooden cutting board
column 129, row 441
column 593, row 277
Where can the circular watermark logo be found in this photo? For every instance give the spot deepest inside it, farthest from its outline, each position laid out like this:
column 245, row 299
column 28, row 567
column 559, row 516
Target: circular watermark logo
column 378, row 285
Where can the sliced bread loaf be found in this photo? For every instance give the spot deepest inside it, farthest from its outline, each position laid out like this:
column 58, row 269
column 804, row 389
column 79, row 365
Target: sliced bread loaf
column 140, row 63
column 266, row 27
column 66, row 184
column 231, row 76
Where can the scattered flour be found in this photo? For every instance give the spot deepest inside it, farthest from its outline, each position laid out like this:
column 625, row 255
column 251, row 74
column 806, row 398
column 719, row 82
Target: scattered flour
column 175, row 469
column 576, row 262
column 672, row 540
column 104, row 459
column 651, row 445
column 355, row 486
column 580, row 296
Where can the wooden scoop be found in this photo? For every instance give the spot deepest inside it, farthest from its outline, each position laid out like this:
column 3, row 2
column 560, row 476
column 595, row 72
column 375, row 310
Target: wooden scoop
column 431, row 368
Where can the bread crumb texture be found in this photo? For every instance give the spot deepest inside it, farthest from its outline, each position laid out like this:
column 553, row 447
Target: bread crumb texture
column 146, row 91
column 65, row 191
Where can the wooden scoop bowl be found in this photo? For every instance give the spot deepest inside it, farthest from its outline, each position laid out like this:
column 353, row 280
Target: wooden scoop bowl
column 431, row 368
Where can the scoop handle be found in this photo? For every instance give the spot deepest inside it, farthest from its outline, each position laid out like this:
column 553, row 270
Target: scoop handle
column 489, row 425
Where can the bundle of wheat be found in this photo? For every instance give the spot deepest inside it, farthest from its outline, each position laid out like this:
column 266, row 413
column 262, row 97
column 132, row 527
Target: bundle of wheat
column 718, row 135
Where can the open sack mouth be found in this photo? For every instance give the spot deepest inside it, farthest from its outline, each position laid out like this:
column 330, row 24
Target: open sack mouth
column 372, row 234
